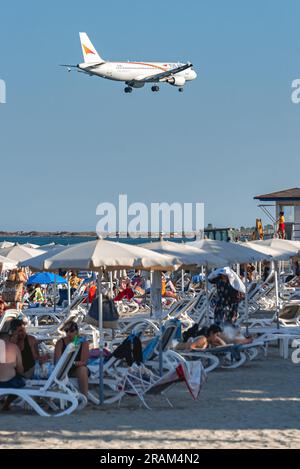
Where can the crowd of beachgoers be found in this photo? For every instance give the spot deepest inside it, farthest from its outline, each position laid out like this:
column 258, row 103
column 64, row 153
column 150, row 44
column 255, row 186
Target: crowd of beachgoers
column 75, row 333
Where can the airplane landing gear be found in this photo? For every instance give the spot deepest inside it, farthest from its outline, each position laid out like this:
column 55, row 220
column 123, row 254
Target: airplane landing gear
column 128, row 89
column 155, row 88
column 180, row 90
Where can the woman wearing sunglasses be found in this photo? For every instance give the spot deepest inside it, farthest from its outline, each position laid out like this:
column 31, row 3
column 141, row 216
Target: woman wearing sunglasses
column 79, row 369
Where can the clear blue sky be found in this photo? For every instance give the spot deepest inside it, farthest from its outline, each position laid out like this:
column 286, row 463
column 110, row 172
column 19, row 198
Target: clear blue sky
column 69, row 142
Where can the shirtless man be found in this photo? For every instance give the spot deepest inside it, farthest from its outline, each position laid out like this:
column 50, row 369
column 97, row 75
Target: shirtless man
column 11, row 367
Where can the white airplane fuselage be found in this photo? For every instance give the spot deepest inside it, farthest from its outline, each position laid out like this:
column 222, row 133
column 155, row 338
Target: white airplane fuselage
column 133, row 73
column 130, row 71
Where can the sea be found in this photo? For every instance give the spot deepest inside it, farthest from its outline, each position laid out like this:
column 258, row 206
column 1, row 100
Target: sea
column 68, row 240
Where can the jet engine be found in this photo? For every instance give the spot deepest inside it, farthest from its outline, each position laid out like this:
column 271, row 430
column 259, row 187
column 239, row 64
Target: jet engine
column 176, row 81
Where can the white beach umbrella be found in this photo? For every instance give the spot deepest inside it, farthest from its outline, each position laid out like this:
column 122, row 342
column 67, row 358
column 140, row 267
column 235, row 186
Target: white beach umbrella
column 20, row 253
column 287, row 250
column 50, row 246
column 6, row 244
column 283, row 245
column 234, row 253
column 31, row 245
column 186, row 254
column 108, row 255
column 37, row 263
column 7, row 264
column 276, row 254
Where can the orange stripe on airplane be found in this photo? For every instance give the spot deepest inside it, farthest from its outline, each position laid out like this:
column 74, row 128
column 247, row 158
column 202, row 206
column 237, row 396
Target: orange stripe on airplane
column 148, row 65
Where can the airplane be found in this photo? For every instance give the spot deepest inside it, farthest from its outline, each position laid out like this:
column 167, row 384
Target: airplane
column 134, row 74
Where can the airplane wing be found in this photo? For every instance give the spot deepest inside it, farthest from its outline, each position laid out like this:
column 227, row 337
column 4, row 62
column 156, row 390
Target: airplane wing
column 68, row 65
column 159, row 76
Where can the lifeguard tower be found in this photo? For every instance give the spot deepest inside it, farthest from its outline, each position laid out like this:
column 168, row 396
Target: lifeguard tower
column 287, row 201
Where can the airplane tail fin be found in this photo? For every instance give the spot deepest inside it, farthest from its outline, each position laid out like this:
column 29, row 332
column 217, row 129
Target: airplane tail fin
column 90, row 55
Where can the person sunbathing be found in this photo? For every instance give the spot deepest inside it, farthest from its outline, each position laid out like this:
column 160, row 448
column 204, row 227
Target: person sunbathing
column 168, row 289
column 208, row 338
column 125, row 291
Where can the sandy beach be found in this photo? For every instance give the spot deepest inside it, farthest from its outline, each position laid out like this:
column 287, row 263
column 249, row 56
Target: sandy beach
column 256, row 406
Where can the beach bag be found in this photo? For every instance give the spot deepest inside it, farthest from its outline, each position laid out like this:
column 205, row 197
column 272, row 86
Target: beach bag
column 12, row 291
column 110, row 312
column 130, row 350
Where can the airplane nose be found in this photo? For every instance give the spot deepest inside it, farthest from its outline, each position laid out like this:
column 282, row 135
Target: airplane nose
column 194, row 74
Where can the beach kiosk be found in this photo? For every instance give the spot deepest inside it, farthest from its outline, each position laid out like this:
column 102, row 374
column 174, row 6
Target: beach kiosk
column 287, row 201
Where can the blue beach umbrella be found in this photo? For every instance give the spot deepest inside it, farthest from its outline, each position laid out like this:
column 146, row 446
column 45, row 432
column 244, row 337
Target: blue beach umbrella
column 45, row 278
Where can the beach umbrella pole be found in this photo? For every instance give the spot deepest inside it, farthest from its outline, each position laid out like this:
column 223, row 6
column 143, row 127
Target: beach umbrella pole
column 277, row 297
column 101, row 345
column 151, row 286
column 69, row 289
column 160, row 351
column 111, row 284
column 156, row 305
column 206, row 297
column 158, row 276
column 246, row 302
column 259, row 270
column 54, row 293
